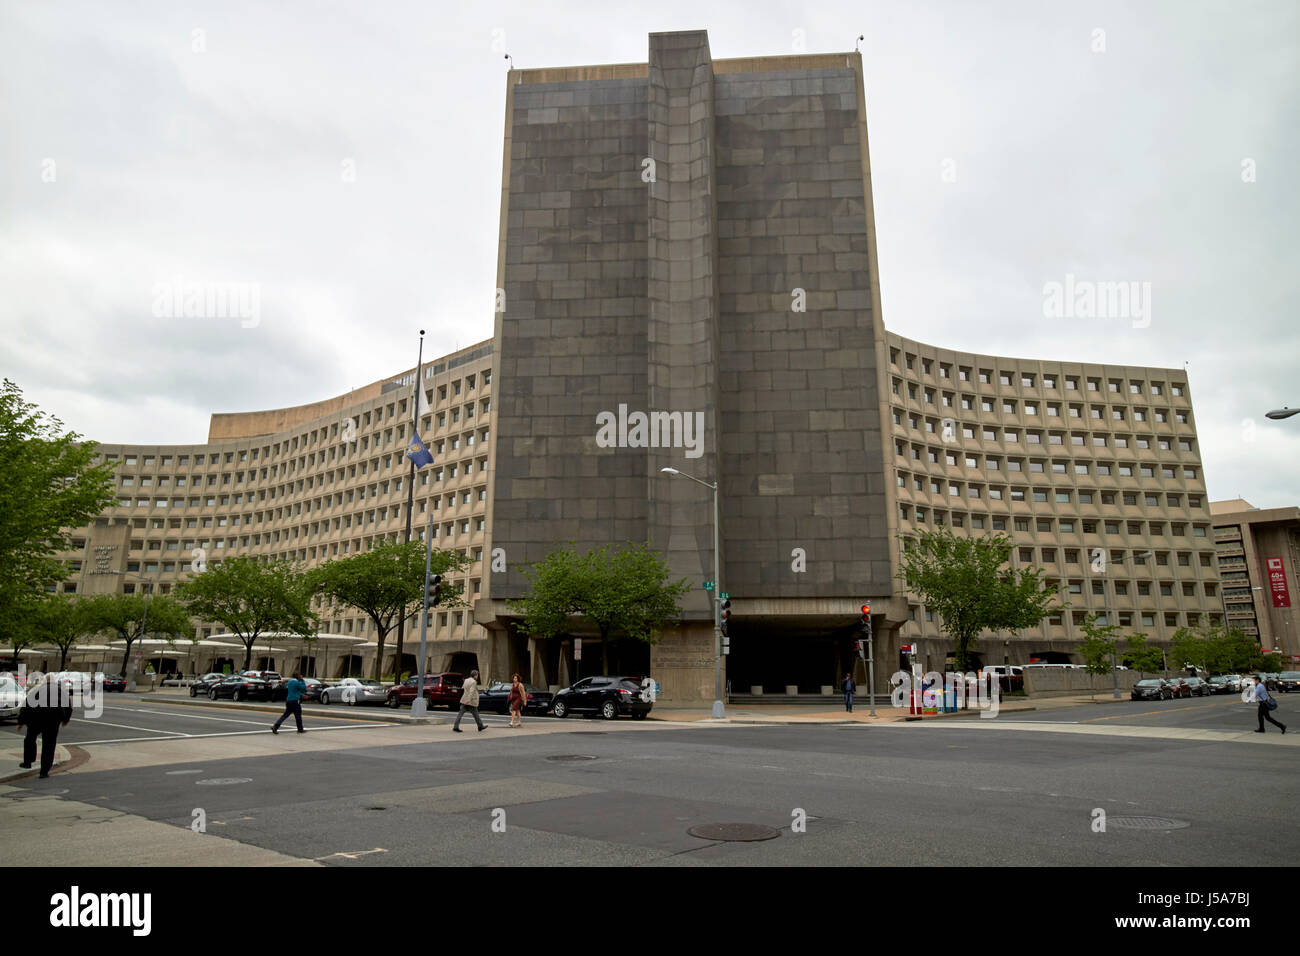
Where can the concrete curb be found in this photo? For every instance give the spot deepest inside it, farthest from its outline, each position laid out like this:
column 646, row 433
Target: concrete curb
column 272, row 709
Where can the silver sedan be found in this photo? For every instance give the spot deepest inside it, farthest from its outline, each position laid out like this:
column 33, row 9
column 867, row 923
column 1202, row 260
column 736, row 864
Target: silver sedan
column 355, row 690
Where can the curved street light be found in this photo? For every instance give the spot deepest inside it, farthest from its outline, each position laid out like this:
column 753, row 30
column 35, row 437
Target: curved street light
column 1283, row 412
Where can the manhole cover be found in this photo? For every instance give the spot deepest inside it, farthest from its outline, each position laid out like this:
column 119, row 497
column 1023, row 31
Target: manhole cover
column 572, row 757
column 223, row 781
column 376, row 808
column 734, row 832
column 1146, row 823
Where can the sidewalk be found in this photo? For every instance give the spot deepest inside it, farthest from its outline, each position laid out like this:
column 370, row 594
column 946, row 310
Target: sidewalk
column 793, row 714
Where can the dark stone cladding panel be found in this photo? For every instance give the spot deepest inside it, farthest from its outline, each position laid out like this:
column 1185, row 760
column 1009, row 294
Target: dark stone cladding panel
column 573, row 339
column 802, row 462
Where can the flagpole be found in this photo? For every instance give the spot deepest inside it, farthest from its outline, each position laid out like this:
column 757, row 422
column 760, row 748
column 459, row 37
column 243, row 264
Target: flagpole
column 410, row 500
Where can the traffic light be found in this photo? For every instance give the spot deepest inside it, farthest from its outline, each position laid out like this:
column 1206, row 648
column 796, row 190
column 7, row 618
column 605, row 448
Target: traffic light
column 866, row 618
column 725, row 616
column 862, row 650
column 433, row 591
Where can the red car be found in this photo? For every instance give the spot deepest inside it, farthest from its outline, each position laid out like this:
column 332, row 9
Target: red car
column 1180, row 687
column 440, row 690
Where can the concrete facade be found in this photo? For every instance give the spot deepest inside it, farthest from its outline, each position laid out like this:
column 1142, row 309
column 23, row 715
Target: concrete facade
column 1258, row 552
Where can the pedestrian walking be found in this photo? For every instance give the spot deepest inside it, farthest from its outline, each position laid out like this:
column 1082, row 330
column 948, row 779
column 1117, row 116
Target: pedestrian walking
column 1266, row 703
column 849, row 686
column 43, row 713
column 295, row 687
column 517, row 697
column 469, row 702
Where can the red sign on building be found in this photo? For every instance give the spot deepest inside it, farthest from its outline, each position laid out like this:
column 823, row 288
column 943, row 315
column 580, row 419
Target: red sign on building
column 1277, row 583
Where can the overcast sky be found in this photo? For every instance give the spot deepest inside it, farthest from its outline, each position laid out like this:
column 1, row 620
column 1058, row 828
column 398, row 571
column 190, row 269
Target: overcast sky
column 343, row 160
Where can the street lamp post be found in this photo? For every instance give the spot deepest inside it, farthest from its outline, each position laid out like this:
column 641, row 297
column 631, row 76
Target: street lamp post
column 718, row 710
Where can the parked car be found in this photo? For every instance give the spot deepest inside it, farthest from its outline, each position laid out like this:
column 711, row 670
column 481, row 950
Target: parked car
column 1199, row 687
column 440, row 690
column 1234, row 683
column 11, row 699
column 273, row 680
column 1180, row 687
column 240, row 687
column 1151, row 690
column 314, row 687
column 1220, row 685
column 496, row 699
column 607, row 696
column 1287, row 681
column 205, row 683
column 355, row 690
column 113, row 682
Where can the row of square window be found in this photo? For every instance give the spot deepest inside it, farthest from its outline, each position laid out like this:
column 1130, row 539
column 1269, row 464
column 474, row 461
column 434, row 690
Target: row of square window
column 1030, row 379
column 446, row 473
column 288, row 468
column 1060, row 497
column 1009, row 406
column 394, row 409
column 1040, row 525
column 1124, row 618
column 1055, row 467
column 947, row 429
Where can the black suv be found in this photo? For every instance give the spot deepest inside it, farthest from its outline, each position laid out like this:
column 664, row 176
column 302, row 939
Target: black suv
column 607, row 696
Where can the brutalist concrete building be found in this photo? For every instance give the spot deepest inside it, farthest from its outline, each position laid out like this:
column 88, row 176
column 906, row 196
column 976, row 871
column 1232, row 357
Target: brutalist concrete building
column 688, row 262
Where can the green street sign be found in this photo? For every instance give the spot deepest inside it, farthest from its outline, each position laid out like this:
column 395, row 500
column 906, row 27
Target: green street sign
column 708, row 585
column 725, row 596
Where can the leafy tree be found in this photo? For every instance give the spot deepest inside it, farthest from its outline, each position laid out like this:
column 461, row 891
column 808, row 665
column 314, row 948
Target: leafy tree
column 624, row 594
column 48, row 486
column 1142, row 657
column 1220, row 649
column 964, row 581
column 386, row 584
column 60, row 621
column 132, row 616
column 250, row 598
column 1098, row 648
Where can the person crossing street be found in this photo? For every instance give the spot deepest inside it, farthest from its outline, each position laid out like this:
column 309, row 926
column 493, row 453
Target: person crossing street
column 295, row 688
column 469, row 702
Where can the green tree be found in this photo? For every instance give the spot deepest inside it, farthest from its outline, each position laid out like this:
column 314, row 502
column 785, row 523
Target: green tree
column 386, row 584
column 1098, row 648
column 1142, row 657
column 624, row 594
column 60, row 621
column 48, row 486
column 132, row 616
column 965, row 582
column 250, row 598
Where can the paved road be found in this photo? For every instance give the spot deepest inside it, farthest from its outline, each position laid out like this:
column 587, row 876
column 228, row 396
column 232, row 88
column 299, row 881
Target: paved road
column 935, row 792
column 1224, row 712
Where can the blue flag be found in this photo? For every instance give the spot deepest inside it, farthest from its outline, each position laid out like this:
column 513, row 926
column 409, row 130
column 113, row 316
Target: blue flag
column 419, row 453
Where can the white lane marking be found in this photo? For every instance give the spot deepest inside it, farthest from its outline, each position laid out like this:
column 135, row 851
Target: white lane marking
column 231, row 733
column 147, row 730
column 354, row 854
column 164, row 713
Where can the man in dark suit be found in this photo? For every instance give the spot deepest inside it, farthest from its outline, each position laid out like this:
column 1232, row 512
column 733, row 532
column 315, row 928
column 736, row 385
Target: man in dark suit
column 43, row 714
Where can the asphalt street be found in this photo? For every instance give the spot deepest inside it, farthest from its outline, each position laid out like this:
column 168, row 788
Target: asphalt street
column 970, row 792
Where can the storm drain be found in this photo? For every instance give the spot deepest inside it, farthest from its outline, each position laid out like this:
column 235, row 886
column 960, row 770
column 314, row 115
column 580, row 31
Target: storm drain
column 1146, row 823
column 572, row 757
column 734, row 832
column 376, row 808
